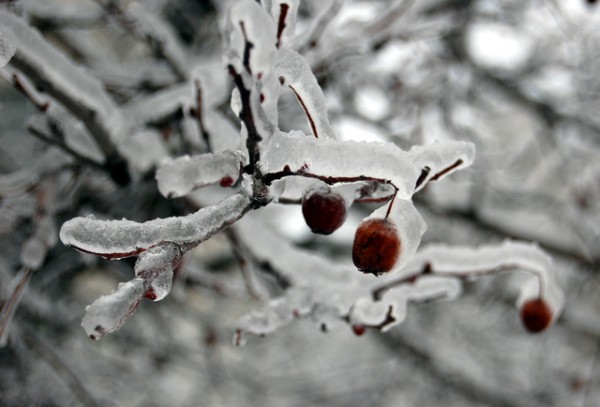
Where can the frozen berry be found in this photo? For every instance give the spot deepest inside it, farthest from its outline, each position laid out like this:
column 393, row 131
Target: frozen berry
column 376, row 246
column 536, row 315
column 324, row 211
column 359, row 330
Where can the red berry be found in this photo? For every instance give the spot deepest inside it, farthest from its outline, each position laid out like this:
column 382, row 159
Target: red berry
column 324, row 211
column 358, row 330
column 376, row 246
column 226, row 181
column 536, row 315
column 150, row 294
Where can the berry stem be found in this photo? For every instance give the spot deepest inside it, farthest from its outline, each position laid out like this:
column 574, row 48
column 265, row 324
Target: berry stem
column 389, row 209
column 428, row 270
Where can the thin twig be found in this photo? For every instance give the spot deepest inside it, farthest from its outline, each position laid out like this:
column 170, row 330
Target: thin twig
column 240, row 254
column 39, row 345
column 427, row 271
column 10, row 306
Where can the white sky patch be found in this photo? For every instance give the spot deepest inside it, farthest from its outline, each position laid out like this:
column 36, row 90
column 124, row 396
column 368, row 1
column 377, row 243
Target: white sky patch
column 354, row 129
column 372, row 103
column 496, row 46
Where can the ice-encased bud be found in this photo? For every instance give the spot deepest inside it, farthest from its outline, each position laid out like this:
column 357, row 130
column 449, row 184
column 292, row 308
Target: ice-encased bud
column 109, row 312
column 156, row 267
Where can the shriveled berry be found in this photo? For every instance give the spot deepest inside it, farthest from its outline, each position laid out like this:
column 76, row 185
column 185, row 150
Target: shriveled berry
column 536, row 315
column 324, row 211
column 376, row 246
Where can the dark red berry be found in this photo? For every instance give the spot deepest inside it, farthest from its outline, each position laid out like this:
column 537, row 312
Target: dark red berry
column 376, row 246
column 358, row 330
column 150, row 294
column 536, row 315
column 324, row 211
column 226, row 181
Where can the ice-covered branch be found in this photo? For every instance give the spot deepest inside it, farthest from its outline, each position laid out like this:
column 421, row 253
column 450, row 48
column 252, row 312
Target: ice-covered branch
column 177, row 177
column 294, row 153
column 293, row 71
column 116, row 239
column 71, row 85
column 463, row 263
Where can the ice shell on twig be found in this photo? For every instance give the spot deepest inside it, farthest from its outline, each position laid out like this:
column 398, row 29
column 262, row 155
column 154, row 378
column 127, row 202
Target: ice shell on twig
column 8, row 45
column 109, row 312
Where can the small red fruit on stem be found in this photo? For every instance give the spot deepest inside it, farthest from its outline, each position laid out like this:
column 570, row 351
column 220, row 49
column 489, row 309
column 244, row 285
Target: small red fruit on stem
column 376, row 246
column 324, row 211
column 536, row 315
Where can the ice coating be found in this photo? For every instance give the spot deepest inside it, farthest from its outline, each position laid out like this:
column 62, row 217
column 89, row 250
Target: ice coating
column 382, row 314
column 144, row 150
column 156, row 267
column 441, row 158
column 155, row 28
column 335, row 158
column 284, row 14
column 109, row 312
column 17, row 182
column 177, row 177
column 117, row 239
column 278, row 313
column 258, row 29
column 8, row 45
column 409, row 224
column 553, row 296
column 35, row 248
column 293, row 71
column 449, row 260
column 72, row 85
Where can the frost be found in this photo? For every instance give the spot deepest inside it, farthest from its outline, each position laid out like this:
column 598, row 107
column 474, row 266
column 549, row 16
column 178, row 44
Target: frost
column 8, row 45
column 109, row 312
column 177, row 177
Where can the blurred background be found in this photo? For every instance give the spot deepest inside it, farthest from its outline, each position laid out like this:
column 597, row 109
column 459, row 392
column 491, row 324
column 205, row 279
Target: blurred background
column 517, row 78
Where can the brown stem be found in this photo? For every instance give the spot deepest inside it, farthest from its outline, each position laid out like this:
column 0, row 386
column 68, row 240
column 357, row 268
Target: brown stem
column 311, row 121
column 447, row 170
column 198, row 113
column 283, row 10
